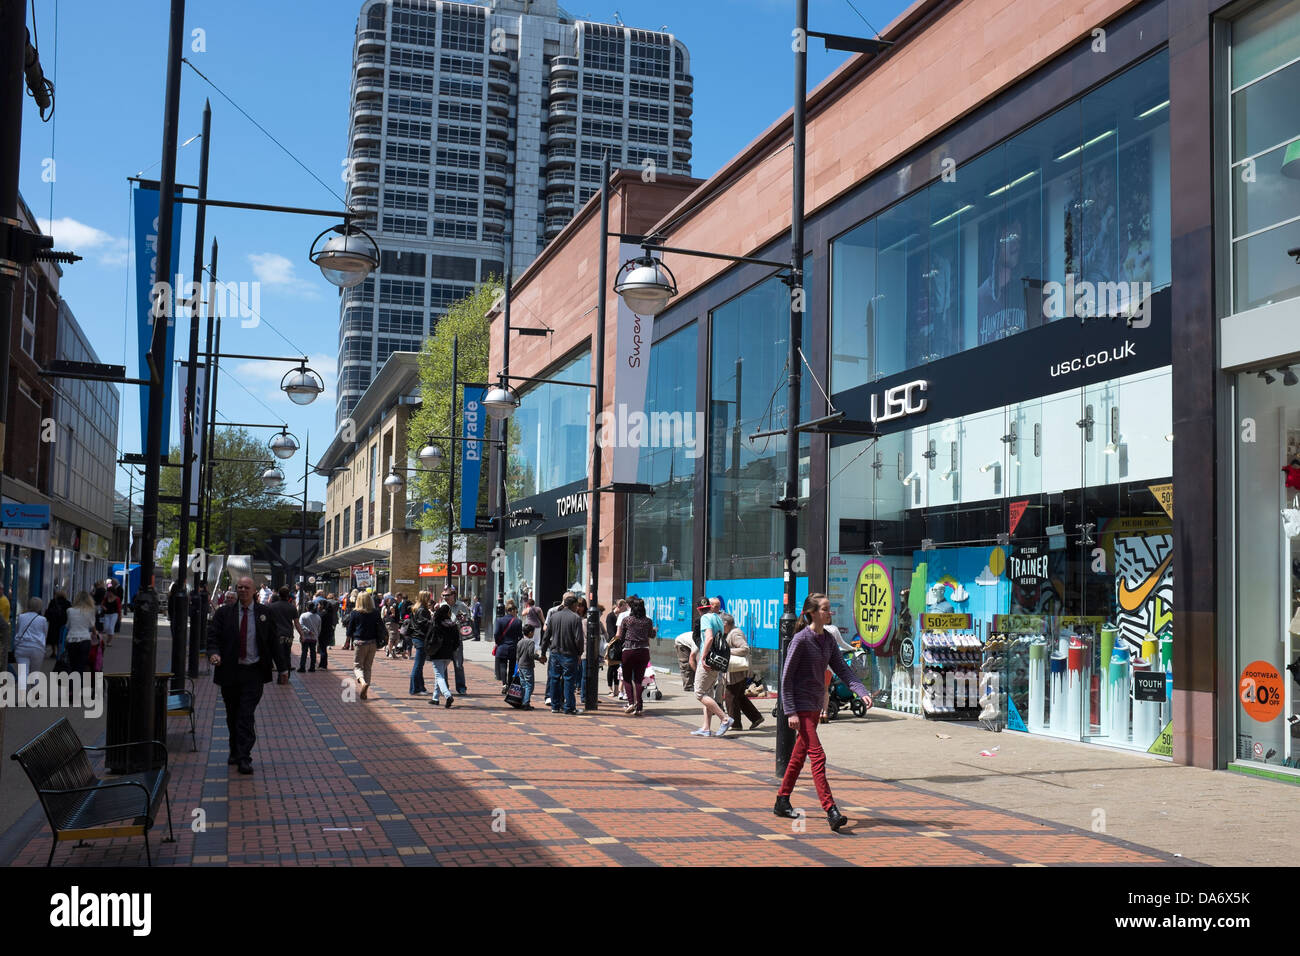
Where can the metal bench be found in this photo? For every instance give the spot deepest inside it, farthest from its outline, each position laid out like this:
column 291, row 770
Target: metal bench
column 180, row 703
column 78, row 804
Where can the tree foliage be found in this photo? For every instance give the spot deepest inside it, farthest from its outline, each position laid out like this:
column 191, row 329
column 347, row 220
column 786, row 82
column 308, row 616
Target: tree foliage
column 242, row 509
column 466, row 324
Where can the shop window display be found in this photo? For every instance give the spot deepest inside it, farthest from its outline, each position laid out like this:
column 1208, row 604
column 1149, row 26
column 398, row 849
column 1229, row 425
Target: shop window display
column 1268, row 570
column 1032, row 594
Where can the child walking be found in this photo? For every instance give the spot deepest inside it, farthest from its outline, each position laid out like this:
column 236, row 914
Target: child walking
column 525, row 658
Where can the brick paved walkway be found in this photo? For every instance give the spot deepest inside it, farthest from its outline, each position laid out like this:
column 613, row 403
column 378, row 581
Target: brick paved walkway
column 393, row 781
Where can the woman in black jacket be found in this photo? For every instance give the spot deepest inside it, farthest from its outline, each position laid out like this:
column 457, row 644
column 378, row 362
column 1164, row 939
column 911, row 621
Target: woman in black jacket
column 508, row 632
column 364, row 628
column 440, row 647
column 421, row 639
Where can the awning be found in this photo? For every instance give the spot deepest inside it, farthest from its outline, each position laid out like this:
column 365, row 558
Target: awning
column 345, row 559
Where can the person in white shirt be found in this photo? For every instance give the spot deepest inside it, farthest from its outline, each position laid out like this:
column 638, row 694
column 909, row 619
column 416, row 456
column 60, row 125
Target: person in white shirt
column 264, row 596
column 29, row 637
column 308, row 632
column 82, row 627
column 685, row 644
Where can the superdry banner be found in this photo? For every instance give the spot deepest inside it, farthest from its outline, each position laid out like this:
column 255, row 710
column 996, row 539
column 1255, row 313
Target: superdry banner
column 146, row 266
column 631, row 371
column 197, row 421
column 472, row 459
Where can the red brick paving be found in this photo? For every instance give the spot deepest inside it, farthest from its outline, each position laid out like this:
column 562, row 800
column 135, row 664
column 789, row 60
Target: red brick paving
column 392, row 781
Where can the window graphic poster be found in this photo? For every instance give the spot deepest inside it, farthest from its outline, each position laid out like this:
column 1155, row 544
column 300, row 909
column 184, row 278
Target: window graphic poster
column 1037, row 580
column 1144, row 587
column 1008, row 300
column 964, row 581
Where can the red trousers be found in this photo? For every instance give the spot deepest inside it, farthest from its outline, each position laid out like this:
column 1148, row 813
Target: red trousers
column 808, row 745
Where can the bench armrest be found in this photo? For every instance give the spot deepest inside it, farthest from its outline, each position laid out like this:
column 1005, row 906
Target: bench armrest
column 159, row 747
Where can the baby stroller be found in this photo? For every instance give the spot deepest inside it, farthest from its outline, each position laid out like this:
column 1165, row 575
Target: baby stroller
column 649, row 687
column 841, row 695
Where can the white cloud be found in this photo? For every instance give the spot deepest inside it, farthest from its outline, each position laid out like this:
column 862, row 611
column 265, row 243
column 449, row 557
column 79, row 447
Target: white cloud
column 84, row 239
column 277, row 271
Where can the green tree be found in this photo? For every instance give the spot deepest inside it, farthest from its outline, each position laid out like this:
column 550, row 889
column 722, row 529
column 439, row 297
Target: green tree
column 466, row 323
column 243, row 511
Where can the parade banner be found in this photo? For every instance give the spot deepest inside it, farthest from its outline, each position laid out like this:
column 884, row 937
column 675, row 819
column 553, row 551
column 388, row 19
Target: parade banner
column 471, row 461
column 145, row 199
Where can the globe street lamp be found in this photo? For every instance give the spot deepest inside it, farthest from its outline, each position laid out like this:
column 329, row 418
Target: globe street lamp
column 500, row 402
column 284, row 446
column 302, row 385
column 648, row 285
column 272, row 478
column 347, row 258
column 430, row 456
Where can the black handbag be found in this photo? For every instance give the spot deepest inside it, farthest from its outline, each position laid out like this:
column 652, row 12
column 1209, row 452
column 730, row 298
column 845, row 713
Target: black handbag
column 614, row 653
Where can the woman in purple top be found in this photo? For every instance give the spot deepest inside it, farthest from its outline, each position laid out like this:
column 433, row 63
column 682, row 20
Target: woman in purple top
column 635, row 632
column 811, row 651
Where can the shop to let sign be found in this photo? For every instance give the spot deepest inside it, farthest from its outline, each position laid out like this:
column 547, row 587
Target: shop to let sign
column 873, row 604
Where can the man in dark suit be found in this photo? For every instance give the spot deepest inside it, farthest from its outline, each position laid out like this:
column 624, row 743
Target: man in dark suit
column 241, row 647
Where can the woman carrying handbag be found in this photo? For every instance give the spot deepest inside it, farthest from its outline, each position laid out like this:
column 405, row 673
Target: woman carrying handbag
column 738, row 701
column 507, row 634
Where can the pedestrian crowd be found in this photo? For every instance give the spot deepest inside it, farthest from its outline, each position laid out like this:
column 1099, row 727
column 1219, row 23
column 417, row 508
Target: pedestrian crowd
column 72, row 634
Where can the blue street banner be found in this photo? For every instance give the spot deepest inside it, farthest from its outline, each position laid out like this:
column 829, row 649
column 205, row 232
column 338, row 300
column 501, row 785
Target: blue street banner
column 471, row 460
column 146, row 203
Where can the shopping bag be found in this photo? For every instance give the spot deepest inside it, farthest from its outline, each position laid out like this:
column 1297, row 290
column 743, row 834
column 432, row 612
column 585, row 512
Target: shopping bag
column 515, row 691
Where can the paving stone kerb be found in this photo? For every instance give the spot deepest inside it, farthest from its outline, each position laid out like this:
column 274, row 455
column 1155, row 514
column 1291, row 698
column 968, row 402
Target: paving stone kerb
column 393, row 781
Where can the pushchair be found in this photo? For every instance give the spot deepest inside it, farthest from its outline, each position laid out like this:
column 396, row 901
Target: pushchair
column 649, row 686
column 841, row 695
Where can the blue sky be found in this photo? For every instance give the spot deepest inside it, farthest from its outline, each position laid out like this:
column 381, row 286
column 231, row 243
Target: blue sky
column 288, row 64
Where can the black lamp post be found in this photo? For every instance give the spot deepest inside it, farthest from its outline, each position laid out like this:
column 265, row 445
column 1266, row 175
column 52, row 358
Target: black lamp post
column 648, row 286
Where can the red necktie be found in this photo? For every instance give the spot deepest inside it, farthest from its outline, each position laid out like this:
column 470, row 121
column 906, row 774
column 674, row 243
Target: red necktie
column 243, row 632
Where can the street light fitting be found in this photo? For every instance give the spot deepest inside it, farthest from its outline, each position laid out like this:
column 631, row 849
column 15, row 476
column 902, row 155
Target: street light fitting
column 283, row 445
column 347, row 258
column 647, row 286
column 394, row 483
column 430, row 456
column 302, row 385
column 500, row 402
column 272, row 478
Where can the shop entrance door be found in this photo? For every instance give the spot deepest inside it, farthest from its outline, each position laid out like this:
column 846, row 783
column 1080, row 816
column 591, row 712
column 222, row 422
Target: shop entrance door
column 552, row 570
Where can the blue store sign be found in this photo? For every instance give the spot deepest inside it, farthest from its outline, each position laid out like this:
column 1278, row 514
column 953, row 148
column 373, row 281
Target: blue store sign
column 32, row 517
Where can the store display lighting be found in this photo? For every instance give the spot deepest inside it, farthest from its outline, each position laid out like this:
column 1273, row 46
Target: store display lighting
column 911, row 477
column 1288, row 376
column 991, row 465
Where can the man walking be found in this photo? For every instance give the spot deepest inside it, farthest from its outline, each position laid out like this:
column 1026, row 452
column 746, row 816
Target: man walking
column 284, row 619
column 477, row 612
column 241, row 647
column 460, row 613
column 564, row 640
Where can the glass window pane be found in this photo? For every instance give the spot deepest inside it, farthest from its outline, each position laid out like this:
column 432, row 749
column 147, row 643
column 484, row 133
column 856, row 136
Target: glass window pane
column 901, row 342
column 1262, row 271
column 1264, row 114
column 1262, row 194
column 660, row 545
column 750, row 347
column 853, row 307
column 1264, row 39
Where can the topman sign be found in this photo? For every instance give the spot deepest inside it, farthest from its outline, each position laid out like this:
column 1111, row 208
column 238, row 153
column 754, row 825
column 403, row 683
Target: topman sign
column 899, row 401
